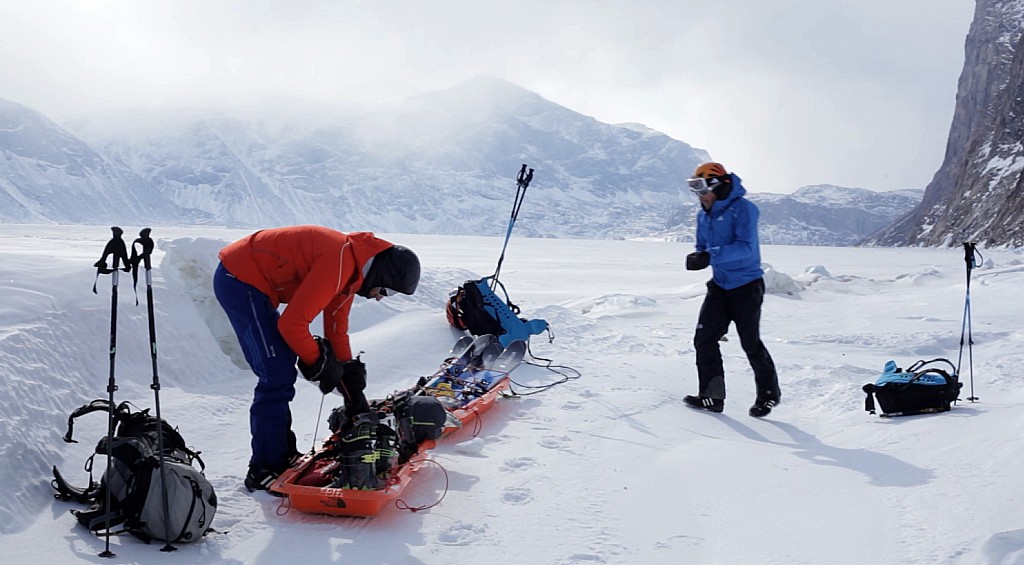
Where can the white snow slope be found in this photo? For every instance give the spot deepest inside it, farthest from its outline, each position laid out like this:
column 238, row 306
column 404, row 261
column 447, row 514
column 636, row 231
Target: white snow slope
column 607, row 468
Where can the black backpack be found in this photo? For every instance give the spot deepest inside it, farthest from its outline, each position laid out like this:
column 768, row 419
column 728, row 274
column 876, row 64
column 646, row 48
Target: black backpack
column 466, row 311
column 135, row 483
column 922, row 388
column 476, row 308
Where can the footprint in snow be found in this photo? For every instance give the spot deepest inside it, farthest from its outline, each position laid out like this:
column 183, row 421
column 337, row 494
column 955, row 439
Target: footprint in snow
column 501, row 438
column 518, row 463
column 576, row 558
column 517, row 495
column 556, row 442
column 681, row 539
column 461, row 533
column 571, row 405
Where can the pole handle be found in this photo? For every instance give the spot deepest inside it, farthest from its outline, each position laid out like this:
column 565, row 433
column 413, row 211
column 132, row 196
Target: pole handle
column 144, row 256
column 524, row 177
column 522, row 183
column 970, row 249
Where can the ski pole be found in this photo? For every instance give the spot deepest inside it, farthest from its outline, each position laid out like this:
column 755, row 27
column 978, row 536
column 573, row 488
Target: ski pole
column 522, row 183
column 116, row 248
column 144, row 256
column 970, row 255
column 316, row 429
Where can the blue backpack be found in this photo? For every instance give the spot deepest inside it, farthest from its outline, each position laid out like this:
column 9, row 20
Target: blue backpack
column 920, row 389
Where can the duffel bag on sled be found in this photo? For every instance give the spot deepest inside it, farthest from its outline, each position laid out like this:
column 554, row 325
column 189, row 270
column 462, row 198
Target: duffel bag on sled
column 923, row 388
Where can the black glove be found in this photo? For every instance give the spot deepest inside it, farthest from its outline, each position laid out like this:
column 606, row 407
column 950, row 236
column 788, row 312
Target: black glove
column 697, row 260
column 353, row 375
column 325, row 371
column 352, row 384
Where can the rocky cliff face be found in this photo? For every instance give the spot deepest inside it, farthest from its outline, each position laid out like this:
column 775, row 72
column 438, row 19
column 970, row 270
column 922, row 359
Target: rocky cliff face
column 976, row 195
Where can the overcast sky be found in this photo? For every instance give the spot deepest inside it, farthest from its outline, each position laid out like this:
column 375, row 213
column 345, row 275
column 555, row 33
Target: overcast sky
column 786, row 93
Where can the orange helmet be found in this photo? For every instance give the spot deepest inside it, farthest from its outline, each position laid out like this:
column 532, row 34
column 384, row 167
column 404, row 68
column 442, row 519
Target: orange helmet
column 709, row 170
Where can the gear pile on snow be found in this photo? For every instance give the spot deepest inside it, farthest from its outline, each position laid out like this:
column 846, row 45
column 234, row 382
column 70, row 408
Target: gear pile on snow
column 926, row 387
column 149, row 487
column 141, row 480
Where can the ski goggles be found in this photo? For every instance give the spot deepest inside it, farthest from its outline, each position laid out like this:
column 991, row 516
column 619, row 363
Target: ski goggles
column 699, row 186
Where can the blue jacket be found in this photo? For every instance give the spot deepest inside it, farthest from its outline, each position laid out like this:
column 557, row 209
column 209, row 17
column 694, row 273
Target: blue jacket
column 729, row 234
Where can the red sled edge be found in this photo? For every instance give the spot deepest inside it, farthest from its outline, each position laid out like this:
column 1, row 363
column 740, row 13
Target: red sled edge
column 351, row 502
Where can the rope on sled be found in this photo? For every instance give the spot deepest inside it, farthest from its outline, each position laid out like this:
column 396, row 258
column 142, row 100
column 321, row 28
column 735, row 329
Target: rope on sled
column 402, row 505
column 478, row 425
column 284, row 507
column 567, row 374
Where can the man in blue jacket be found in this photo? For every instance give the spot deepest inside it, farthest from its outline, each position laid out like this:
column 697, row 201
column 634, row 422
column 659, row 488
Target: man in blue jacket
column 727, row 240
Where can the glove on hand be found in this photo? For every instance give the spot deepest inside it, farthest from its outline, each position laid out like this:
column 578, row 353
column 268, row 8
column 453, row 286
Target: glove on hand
column 325, row 371
column 697, row 260
column 353, row 375
column 352, row 383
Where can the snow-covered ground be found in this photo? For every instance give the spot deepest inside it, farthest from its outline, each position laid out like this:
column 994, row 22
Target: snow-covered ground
column 607, row 468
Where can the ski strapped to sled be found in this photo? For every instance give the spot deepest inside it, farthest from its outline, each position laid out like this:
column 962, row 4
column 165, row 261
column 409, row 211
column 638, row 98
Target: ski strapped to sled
column 469, row 381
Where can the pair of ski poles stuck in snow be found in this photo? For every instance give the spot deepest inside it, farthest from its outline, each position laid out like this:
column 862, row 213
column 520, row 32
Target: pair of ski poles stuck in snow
column 117, row 251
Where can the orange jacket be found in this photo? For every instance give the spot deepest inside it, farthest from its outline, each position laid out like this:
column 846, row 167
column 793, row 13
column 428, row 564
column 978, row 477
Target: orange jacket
column 313, row 269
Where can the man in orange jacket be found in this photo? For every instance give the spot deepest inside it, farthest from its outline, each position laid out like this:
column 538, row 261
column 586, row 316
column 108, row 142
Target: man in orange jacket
column 313, row 270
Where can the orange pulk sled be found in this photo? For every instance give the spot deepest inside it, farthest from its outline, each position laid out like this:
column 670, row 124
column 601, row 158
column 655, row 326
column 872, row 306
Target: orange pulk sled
column 358, row 471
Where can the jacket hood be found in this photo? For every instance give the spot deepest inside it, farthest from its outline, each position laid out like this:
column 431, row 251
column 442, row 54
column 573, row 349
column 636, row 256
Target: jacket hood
column 396, row 268
column 736, row 192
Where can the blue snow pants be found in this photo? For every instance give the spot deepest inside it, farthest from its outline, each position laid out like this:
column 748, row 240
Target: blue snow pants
column 254, row 320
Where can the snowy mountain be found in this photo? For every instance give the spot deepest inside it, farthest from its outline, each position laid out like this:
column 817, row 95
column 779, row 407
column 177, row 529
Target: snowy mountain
column 813, row 215
column 976, row 194
column 442, row 162
column 48, row 175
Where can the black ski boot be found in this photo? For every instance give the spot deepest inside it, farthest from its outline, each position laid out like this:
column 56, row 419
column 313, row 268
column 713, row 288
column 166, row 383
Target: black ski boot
column 293, row 455
column 715, row 405
column 762, row 408
column 358, row 457
column 260, row 477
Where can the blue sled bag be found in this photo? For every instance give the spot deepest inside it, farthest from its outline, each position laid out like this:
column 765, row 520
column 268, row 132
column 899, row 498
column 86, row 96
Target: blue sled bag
column 923, row 388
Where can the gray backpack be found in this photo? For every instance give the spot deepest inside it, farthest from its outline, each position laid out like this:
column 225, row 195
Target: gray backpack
column 135, row 484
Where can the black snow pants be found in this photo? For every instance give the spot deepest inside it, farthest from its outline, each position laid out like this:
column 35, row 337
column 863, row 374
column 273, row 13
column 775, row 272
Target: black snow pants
column 741, row 306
